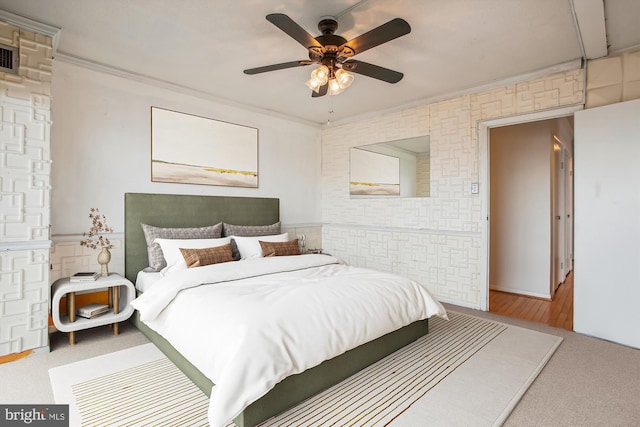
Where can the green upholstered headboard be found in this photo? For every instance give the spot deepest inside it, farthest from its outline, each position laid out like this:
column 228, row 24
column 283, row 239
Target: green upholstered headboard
column 171, row 210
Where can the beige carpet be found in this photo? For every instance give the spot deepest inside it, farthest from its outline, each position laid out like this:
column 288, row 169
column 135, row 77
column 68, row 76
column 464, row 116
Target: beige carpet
column 467, row 371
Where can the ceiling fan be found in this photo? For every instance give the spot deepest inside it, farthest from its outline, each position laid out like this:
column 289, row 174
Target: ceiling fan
column 333, row 52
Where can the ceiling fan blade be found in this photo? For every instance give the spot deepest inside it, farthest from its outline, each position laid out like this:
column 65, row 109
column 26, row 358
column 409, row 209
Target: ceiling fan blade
column 386, row 32
column 294, row 30
column 275, row 67
column 375, row 71
column 321, row 92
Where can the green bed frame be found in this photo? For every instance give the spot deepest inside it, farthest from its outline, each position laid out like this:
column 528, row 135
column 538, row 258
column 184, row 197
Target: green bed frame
column 168, row 210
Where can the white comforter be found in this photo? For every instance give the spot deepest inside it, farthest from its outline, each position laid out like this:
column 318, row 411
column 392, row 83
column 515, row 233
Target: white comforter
column 258, row 321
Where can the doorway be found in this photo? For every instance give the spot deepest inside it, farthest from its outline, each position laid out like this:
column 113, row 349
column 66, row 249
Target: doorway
column 528, row 207
column 557, row 313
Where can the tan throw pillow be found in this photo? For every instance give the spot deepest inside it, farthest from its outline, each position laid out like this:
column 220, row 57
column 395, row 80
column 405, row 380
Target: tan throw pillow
column 280, row 248
column 207, row 256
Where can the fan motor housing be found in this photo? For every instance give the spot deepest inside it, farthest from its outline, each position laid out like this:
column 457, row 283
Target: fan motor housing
column 331, row 40
column 328, row 25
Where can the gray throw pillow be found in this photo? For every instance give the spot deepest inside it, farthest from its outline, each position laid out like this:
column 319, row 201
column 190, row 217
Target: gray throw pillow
column 251, row 230
column 154, row 252
column 248, row 231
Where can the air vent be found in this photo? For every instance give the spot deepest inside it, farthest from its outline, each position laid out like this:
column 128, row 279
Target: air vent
column 9, row 57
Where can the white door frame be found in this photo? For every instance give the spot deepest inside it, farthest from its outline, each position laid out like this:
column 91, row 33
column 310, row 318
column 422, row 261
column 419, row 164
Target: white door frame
column 483, row 146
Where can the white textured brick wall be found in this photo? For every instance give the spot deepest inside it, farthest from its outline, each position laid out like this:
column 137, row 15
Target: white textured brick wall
column 613, row 79
column 68, row 257
column 312, row 235
column 25, row 159
column 24, row 300
column 423, row 173
column 25, row 168
column 435, row 240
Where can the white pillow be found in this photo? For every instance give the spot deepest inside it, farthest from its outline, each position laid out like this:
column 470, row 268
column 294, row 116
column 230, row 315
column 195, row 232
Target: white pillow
column 173, row 256
column 249, row 247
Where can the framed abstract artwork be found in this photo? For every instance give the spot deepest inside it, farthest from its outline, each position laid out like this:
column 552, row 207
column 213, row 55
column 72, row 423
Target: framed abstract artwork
column 189, row 149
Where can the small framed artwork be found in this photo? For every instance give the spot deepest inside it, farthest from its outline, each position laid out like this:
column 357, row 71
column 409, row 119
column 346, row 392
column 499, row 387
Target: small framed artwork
column 189, row 149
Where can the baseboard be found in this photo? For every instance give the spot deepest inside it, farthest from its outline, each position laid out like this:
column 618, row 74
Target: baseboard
column 460, row 303
column 520, row 292
column 6, row 358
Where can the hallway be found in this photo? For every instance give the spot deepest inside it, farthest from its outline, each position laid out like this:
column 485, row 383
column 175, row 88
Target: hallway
column 557, row 313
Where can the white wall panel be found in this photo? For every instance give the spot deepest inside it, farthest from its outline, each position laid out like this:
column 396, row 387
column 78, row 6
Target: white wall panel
column 607, row 222
column 24, row 300
column 25, row 167
column 25, row 162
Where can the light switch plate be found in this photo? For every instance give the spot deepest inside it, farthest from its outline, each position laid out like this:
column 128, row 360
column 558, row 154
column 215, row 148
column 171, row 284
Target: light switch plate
column 475, row 188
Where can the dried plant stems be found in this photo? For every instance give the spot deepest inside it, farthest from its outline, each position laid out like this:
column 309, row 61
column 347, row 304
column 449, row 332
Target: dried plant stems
column 94, row 239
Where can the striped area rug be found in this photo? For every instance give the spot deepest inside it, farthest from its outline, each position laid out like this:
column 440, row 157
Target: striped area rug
column 157, row 393
column 154, row 393
column 378, row 394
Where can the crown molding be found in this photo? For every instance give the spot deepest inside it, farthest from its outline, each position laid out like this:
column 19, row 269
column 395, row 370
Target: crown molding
column 33, row 26
column 54, row 32
column 575, row 64
column 164, row 84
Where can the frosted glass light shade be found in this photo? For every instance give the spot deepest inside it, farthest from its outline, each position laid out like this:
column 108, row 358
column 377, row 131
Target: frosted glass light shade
column 319, row 77
column 334, row 87
column 344, row 78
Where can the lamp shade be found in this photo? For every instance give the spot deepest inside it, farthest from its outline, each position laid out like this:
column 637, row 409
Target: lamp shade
column 344, row 78
column 337, row 82
column 334, row 87
column 319, row 77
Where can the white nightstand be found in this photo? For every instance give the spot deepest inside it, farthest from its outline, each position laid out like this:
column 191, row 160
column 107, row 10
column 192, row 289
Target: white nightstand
column 121, row 293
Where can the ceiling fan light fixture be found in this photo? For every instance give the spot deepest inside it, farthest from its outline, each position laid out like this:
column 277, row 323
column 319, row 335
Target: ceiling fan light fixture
column 341, row 80
column 332, row 52
column 334, row 87
column 314, row 85
column 319, row 77
column 321, row 73
column 344, row 78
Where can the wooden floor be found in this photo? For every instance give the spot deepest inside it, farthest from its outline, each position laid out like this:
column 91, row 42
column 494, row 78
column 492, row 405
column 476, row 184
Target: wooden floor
column 557, row 313
column 14, row 356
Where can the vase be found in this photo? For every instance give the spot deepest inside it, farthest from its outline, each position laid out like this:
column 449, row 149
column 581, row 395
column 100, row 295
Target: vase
column 103, row 259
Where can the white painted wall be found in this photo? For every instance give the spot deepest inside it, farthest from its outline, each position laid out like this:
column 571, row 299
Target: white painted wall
column 101, row 149
column 520, row 205
column 607, row 222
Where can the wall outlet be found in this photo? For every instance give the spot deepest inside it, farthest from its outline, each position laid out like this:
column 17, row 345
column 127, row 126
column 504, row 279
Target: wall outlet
column 475, row 188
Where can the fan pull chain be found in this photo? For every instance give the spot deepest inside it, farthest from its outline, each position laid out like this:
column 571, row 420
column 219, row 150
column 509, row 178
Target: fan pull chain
column 330, row 110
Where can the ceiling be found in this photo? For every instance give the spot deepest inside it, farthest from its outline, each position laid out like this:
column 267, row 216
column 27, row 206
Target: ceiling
column 454, row 45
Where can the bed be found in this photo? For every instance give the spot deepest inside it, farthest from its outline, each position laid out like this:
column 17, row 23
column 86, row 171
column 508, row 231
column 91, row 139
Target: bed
column 163, row 210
